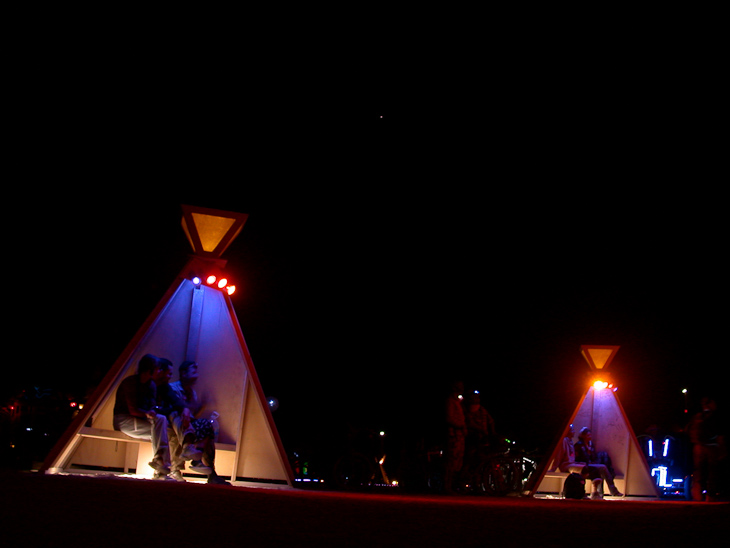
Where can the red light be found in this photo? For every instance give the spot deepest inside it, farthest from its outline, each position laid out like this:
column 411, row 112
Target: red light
column 222, row 283
column 73, row 404
column 210, row 280
column 231, row 289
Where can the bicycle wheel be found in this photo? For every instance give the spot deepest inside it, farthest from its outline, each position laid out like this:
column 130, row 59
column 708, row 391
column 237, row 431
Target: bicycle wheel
column 498, row 477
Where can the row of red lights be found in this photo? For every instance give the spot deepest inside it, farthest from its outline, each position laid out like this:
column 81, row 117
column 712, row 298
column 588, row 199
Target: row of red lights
column 214, row 281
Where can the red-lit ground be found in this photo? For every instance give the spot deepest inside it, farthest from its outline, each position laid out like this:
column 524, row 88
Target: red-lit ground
column 52, row 511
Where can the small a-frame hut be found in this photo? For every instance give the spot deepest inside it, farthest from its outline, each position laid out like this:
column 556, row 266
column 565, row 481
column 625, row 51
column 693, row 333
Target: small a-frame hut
column 193, row 321
column 600, row 410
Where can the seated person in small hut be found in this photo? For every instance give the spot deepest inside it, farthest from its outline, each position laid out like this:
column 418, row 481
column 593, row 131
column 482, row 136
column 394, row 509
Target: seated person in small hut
column 136, row 416
column 180, row 432
column 194, row 439
column 599, row 463
column 567, row 462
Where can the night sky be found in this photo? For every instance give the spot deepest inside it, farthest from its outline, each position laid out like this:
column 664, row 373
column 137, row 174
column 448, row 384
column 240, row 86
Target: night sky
column 482, row 235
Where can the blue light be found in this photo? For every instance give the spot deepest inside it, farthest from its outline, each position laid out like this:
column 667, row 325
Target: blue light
column 196, row 280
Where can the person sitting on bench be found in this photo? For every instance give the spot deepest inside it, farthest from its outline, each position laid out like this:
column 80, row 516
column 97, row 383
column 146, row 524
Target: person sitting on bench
column 567, row 462
column 599, row 464
column 135, row 414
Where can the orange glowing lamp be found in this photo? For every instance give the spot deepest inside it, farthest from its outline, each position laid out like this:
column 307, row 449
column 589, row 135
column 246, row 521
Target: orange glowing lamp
column 599, row 358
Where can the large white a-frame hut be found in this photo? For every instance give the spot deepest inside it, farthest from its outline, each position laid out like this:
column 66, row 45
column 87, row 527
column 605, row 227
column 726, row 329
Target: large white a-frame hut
column 600, row 410
column 193, row 321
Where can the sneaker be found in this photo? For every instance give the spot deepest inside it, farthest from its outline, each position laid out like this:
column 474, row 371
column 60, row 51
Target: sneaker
column 161, row 476
column 596, row 496
column 177, row 475
column 159, row 465
column 191, row 452
column 217, row 480
column 200, row 468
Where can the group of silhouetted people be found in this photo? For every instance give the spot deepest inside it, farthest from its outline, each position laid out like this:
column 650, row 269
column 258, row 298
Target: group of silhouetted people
column 470, row 428
column 151, row 408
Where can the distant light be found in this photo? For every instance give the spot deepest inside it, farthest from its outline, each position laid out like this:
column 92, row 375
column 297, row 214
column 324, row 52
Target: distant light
column 666, row 447
column 651, row 449
column 210, row 280
column 196, row 280
column 381, row 461
column 684, row 390
column 231, row 289
column 461, row 397
column 600, row 385
column 222, row 283
column 73, row 404
column 382, row 433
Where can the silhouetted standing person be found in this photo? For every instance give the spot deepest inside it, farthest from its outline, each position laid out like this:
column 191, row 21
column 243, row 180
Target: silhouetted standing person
column 708, row 439
column 455, row 435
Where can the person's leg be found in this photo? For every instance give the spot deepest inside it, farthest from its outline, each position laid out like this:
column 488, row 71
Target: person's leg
column 160, row 444
column 177, row 436
column 608, row 478
column 139, row 429
column 209, row 460
column 148, row 430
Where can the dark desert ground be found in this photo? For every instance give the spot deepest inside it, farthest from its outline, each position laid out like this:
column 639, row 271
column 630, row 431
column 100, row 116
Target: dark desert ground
column 54, row 511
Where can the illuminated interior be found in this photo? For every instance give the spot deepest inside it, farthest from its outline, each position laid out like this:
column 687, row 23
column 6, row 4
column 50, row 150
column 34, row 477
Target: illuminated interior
column 600, row 410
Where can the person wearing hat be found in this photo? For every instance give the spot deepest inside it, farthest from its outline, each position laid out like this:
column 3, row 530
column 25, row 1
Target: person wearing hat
column 599, row 471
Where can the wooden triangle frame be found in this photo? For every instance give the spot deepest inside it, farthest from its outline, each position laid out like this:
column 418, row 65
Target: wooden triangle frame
column 191, row 321
column 198, row 240
column 598, row 357
column 601, row 410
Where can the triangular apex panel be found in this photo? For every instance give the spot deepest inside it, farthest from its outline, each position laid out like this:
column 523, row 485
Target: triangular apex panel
column 211, row 231
column 598, row 357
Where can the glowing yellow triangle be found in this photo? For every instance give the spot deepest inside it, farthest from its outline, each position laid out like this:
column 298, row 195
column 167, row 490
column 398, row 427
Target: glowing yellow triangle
column 211, row 231
column 598, row 357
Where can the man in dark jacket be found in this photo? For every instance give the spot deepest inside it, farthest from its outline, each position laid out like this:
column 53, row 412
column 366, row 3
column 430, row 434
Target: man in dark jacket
column 136, row 415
